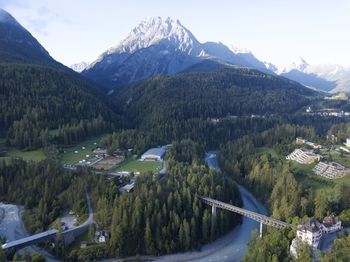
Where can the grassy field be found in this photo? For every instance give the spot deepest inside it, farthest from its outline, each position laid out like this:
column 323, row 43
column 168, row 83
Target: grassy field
column 343, row 160
column 133, row 165
column 304, row 174
column 35, row 155
column 272, row 152
column 53, row 132
column 70, row 157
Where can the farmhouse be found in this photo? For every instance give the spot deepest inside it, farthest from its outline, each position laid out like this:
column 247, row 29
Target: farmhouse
column 153, row 154
column 303, row 156
column 330, row 170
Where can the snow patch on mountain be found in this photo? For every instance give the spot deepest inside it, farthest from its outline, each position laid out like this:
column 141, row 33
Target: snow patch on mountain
column 239, row 50
column 79, row 67
column 298, row 64
column 151, row 31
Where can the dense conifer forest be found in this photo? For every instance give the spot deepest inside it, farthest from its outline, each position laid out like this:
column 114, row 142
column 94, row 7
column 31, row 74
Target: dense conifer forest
column 35, row 100
column 223, row 93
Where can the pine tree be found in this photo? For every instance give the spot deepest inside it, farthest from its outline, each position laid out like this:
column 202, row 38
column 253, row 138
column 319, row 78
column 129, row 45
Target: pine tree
column 149, row 245
column 321, row 205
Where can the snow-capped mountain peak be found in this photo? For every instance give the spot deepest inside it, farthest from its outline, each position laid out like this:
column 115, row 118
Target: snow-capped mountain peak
column 162, row 46
column 298, row 64
column 238, row 50
column 152, row 31
column 272, row 67
column 79, row 67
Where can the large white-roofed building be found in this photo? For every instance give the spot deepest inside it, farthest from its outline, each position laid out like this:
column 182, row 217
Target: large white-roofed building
column 154, row 154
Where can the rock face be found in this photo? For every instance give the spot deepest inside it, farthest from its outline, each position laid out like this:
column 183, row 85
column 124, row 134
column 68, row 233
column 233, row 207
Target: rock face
column 160, row 46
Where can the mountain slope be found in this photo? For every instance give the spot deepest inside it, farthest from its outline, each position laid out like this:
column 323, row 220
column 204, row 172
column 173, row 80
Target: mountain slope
column 17, row 45
column 164, row 47
column 37, row 99
column 38, row 94
column 228, row 91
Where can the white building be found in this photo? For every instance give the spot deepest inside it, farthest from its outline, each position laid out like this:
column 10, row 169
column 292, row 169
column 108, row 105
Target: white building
column 310, row 232
column 154, row 154
column 347, row 142
column 127, row 188
column 331, row 224
column 101, row 236
column 330, row 170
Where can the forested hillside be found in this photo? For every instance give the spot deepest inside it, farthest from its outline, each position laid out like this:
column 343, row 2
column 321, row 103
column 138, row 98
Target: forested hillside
column 35, row 100
column 227, row 92
column 45, row 190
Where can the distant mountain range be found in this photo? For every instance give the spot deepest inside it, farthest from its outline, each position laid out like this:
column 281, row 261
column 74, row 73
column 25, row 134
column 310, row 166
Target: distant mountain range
column 161, row 46
column 164, row 47
column 330, row 78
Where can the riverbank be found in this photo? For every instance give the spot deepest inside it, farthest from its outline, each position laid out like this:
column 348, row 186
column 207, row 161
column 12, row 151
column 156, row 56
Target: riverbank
column 233, row 246
column 12, row 228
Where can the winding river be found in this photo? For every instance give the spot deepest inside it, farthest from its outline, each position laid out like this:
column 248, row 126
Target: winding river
column 233, row 246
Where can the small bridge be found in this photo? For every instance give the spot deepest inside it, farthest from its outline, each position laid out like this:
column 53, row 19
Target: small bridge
column 27, row 241
column 262, row 219
column 68, row 236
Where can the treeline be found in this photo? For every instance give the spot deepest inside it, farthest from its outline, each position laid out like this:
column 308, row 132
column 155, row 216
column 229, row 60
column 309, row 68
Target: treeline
column 29, row 134
column 205, row 132
column 44, row 189
column 236, row 157
column 35, row 98
column 163, row 214
column 75, row 132
column 341, row 131
column 235, row 92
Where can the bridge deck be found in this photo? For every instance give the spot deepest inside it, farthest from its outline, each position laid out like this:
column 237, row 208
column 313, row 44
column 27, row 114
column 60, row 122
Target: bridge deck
column 32, row 238
column 255, row 216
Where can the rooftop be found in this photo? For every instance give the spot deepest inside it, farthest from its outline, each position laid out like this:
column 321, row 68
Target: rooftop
column 311, row 225
column 159, row 151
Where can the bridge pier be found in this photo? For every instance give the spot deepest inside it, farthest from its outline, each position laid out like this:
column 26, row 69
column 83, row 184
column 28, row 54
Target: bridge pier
column 213, row 211
column 213, row 221
column 261, row 230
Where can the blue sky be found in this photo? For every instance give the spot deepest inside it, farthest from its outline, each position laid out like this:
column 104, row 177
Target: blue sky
column 274, row 30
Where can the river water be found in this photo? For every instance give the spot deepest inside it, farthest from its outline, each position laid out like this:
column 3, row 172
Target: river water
column 12, row 228
column 233, row 246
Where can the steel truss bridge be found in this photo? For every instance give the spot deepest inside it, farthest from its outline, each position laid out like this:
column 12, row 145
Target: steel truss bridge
column 262, row 219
